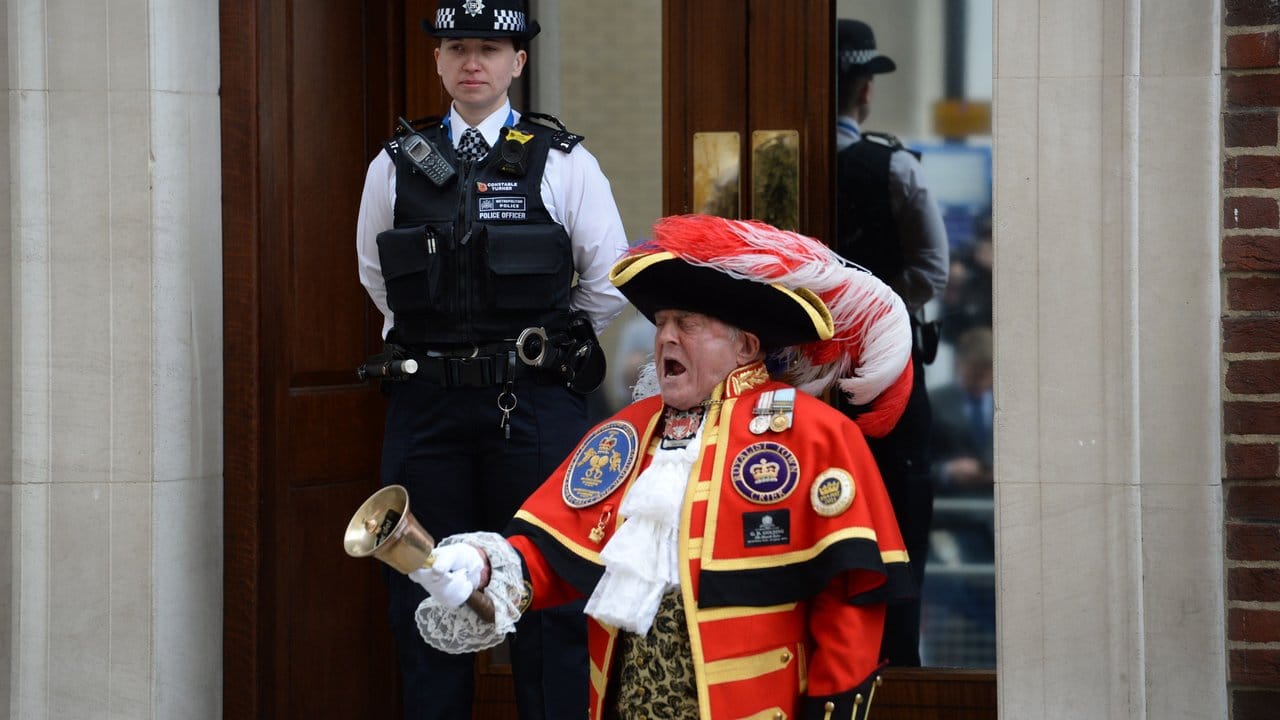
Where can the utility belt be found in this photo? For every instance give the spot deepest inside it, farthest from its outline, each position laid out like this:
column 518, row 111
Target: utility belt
column 474, row 371
column 572, row 356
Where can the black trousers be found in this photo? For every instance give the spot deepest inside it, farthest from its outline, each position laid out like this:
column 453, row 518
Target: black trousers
column 446, row 446
column 904, row 458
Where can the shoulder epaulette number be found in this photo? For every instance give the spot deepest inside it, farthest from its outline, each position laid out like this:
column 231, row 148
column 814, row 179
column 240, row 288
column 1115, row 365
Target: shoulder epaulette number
column 565, row 141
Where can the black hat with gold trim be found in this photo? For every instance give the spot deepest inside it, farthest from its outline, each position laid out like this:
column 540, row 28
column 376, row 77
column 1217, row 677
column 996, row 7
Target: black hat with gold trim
column 778, row 316
column 482, row 19
column 824, row 320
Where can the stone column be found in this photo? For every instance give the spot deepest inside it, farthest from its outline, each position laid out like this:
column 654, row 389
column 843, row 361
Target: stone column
column 1108, row 431
column 113, row 344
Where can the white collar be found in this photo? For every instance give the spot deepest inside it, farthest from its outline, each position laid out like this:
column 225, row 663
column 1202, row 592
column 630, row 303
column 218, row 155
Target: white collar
column 847, row 131
column 489, row 127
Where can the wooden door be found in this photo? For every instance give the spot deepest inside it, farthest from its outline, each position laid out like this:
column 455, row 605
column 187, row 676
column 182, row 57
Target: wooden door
column 743, row 67
column 309, row 89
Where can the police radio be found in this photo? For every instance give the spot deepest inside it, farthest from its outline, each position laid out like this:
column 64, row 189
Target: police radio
column 424, row 155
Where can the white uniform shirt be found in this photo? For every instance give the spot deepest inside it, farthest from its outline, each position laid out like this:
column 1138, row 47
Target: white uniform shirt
column 921, row 231
column 575, row 192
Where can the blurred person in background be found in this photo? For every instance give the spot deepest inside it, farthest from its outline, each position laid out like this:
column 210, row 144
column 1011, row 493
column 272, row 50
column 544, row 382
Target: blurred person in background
column 890, row 224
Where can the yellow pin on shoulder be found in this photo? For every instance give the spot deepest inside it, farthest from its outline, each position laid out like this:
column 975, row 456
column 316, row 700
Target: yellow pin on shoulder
column 832, row 492
column 520, row 137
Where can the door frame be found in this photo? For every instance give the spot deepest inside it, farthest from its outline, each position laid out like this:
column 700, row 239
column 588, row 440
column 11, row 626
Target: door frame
column 254, row 65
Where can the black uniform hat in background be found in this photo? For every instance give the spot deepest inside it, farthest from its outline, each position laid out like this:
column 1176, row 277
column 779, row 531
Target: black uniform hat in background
column 856, row 46
column 482, row 18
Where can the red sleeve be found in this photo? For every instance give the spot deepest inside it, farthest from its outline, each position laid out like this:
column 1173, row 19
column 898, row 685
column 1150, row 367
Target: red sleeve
column 846, row 641
column 547, row 588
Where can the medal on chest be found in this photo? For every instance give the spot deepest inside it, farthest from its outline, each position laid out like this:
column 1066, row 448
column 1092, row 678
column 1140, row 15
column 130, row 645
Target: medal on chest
column 774, row 411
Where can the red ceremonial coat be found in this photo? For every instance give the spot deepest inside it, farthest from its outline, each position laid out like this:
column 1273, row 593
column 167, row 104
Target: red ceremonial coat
column 788, row 549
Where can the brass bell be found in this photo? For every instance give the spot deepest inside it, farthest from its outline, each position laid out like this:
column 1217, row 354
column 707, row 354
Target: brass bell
column 384, row 528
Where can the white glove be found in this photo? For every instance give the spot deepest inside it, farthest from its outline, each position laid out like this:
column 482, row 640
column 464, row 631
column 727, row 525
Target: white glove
column 453, row 576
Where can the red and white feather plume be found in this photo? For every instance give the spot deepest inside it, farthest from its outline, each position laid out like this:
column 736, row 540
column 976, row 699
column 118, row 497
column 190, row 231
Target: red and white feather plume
column 869, row 354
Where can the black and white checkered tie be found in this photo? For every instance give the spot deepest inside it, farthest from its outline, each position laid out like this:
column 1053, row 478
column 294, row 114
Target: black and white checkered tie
column 472, row 147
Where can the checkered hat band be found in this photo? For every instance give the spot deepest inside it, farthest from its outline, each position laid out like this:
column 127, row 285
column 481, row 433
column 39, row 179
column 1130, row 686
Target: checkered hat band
column 511, row 20
column 850, row 58
column 503, row 20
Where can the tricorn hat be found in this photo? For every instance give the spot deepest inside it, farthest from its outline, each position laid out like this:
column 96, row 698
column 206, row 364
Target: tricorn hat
column 822, row 319
column 856, row 49
column 482, row 19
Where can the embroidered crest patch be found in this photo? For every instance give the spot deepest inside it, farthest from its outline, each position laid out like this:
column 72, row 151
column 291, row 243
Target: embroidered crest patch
column 765, row 472
column 832, row 492
column 600, row 464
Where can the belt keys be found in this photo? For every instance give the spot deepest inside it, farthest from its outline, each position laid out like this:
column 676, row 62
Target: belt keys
column 506, row 403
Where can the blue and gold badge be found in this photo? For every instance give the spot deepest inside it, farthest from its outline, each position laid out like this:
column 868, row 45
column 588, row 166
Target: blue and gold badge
column 832, row 492
column 601, row 463
column 765, row 472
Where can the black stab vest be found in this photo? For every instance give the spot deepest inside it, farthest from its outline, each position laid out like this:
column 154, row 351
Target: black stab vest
column 867, row 234
column 477, row 260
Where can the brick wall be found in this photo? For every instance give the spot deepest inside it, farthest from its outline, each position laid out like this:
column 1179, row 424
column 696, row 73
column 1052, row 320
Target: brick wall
column 1251, row 352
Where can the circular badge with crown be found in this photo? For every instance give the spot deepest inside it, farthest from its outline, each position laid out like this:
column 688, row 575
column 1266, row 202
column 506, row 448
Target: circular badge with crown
column 765, row 472
column 600, row 465
column 832, row 492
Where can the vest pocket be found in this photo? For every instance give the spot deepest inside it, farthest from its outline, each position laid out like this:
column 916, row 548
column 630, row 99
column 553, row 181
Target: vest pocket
column 758, row 684
column 415, row 262
column 530, row 266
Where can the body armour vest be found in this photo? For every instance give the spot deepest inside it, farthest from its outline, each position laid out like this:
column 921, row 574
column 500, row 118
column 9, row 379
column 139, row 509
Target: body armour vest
column 477, row 259
column 866, row 232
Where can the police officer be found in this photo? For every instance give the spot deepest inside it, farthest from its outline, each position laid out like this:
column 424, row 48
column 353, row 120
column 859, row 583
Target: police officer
column 478, row 230
column 890, row 224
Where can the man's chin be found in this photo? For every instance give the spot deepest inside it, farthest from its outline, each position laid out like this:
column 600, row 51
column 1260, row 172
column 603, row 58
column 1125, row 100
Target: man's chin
column 673, row 397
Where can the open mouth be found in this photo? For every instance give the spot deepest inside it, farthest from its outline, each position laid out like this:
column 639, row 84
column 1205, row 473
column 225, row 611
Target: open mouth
column 671, row 368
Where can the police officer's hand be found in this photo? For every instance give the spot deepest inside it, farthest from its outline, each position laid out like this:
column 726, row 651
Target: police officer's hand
column 456, row 572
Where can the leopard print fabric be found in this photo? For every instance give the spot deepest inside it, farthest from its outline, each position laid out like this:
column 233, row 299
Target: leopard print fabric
column 655, row 675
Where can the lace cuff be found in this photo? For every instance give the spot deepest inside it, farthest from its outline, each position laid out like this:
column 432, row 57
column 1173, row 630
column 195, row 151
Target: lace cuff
column 460, row 630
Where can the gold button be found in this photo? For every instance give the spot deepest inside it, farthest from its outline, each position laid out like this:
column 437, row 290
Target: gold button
column 857, row 699
column 779, row 716
column 829, row 707
column 786, row 656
